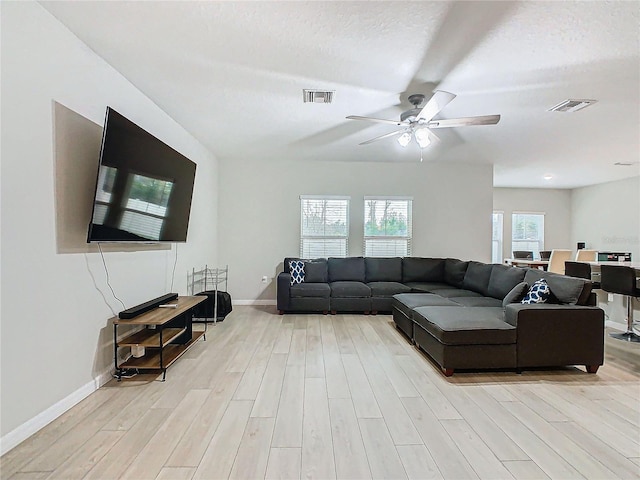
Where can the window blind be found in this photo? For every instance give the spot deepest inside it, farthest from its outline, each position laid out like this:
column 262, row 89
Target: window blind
column 324, row 229
column 387, row 226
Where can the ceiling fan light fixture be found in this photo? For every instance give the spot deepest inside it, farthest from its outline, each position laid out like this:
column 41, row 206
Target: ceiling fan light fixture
column 422, row 137
column 404, row 139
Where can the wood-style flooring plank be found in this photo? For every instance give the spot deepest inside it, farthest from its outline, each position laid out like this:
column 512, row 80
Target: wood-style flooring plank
column 418, row 462
column 348, row 448
column 253, row 453
column 120, row 456
column 445, row 452
column 384, row 460
column 314, row 361
column 317, row 443
column 288, row 427
column 191, row 447
column 218, row 459
column 363, row 398
column 525, row 470
column 156, row 452
column 176, row 473
column 284, row 464
column 298, row 348
column 268, row 397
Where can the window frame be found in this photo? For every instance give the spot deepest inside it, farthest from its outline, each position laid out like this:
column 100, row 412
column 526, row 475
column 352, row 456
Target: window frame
column 540, row 241
column 307, row 239
column 372, row 239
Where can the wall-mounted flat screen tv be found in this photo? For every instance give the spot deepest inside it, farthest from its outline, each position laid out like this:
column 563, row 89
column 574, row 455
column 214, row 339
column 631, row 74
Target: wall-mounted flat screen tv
column 144, row 187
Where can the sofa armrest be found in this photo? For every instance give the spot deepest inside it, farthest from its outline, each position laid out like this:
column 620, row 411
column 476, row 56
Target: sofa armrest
column 554, row 335
column 283, row 287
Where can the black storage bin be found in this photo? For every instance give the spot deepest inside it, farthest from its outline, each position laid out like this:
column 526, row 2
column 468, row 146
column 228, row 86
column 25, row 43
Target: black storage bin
column 205, row 310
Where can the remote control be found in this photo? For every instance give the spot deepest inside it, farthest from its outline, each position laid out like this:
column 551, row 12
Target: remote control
column 169, row 305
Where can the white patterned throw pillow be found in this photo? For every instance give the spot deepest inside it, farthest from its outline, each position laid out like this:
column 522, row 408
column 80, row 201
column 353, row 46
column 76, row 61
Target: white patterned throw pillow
column 296, row 269
column 538, row 293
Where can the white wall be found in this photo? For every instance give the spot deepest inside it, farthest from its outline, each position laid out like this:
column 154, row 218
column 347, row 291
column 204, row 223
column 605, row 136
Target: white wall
column 55, row 337
column 607, row 216
column 554, row 203
column 260, row 211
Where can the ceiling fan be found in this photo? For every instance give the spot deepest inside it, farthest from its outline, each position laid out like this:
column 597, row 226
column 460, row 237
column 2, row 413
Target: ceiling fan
column 418, row 121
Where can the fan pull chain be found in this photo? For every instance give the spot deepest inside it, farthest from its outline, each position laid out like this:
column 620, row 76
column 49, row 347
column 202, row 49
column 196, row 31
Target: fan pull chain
column 421, row 154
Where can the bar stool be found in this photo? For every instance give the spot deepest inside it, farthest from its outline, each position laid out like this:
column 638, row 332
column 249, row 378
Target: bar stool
column 580, row 270
column 622, row 280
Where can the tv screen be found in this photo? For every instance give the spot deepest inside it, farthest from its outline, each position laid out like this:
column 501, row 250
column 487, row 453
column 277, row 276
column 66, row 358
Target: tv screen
column 144, row 187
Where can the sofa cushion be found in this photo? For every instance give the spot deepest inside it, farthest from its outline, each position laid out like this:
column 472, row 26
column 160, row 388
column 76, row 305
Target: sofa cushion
column 538, row 293
column 302, row 290
column 316, row 271
column 347, row 289
column 416, row 269
column 427, row 286
column 477, row 277
column 350, row 269
column 454, row 271
column 383, row 269
column 569, row 290
column 503, row 279
column 387, row 289
column 457, row 292
column 406, row 302
column 477, row 301
column 296, row 269
column 516, row 294
column 466, row 325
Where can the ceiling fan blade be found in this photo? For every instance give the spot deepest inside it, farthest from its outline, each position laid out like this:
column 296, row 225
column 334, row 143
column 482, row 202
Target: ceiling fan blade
column 386, row 135
column 377, row 120
column 464, row 121
column 437, row 102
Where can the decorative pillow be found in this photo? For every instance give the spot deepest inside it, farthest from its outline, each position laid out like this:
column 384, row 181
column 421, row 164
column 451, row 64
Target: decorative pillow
column 538, row 293
column 516, row 294
column 296, row 269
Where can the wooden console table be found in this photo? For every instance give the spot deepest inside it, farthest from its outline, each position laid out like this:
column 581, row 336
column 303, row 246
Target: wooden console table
column 167, row 334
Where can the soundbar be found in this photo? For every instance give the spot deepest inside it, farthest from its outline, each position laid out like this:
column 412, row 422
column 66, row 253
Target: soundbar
column 133, row 312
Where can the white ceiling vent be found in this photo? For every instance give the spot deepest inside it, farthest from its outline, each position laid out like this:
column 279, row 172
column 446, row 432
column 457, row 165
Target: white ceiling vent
column 572, row 105
column 318, row 96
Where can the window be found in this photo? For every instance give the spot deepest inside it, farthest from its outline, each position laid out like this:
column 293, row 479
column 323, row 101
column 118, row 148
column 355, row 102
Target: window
column 324, row 228
column 527, row 232
column 387, row 226
column 496, row 239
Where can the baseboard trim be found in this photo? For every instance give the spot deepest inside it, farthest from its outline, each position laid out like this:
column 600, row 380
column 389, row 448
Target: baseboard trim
column 28, row 428
column 254, row 302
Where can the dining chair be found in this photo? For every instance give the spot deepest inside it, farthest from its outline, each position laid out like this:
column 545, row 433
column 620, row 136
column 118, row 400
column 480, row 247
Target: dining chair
column 587, row 256
column 557, row 259
column 545, row 254
column 523, row 254
column 622, row 280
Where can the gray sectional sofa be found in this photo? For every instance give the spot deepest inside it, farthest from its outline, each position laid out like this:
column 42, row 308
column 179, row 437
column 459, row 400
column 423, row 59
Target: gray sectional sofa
column 464, row 315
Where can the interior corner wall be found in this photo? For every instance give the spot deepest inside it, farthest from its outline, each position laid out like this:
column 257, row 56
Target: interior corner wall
column 554, row 203
column 607, row 216
column 56, row 340
column 260, row 211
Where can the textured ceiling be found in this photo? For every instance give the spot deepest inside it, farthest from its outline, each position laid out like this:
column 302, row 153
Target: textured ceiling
column 232, row 73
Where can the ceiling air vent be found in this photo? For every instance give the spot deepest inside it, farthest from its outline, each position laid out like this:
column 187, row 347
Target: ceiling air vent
column 572, row 105
column 318, row 96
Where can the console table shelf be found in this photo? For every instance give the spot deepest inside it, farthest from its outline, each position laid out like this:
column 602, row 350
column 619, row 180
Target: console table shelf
column 151, row 338
column 166, row 334
column 151, row 360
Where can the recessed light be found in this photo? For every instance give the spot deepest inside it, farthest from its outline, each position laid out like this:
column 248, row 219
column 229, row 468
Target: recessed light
column 548, row 176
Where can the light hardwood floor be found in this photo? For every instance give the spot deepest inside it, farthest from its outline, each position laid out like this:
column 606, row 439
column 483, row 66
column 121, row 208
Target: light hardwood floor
column 343, row 396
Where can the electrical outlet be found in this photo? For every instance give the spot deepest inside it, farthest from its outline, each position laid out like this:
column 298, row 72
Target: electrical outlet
column 265, row 279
